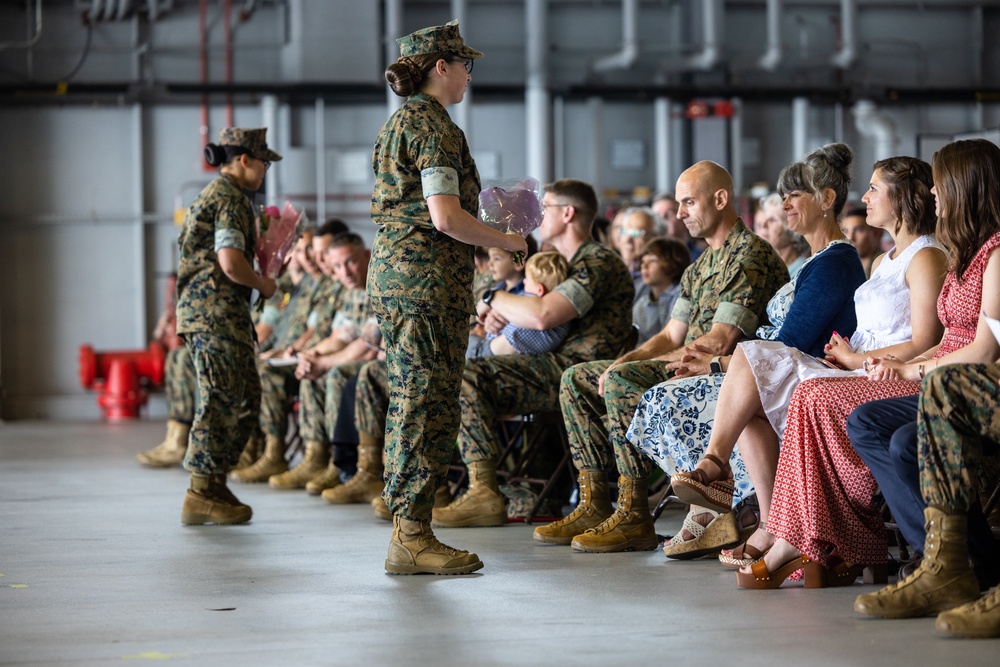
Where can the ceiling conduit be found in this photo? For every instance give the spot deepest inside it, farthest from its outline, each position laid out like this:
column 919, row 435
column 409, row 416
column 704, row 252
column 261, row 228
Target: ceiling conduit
column 711, row 28
column 629, row 54
column 772, row 57
column 848, row 53
column 877, row 125
column 31, row 41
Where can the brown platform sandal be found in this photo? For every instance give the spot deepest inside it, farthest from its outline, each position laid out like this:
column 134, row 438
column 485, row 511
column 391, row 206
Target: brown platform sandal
column 696, row 488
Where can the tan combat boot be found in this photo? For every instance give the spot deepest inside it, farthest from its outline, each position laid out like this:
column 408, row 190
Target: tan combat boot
column 413, row 549
column 251, row 452
column 313, row 464
column 327, row 479
column 594, row 508
column 380, row 509
column 209, row 500
column 976, row 620
column 630, row 526
column 367, row 481
column 944, row 579
column 482, row 504
column 272, row 462
column 171, row 451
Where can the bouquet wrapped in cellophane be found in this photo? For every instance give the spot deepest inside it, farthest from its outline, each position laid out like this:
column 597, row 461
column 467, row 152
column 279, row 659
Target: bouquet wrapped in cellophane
column 276, row 234
column 516, row 209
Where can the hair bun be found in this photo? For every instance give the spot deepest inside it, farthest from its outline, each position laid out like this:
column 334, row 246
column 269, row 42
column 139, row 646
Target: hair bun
column 838, row 156
column 215, row 155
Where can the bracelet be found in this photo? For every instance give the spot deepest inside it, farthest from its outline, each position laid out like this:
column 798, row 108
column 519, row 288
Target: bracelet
column 920, row 357
column 920, row 371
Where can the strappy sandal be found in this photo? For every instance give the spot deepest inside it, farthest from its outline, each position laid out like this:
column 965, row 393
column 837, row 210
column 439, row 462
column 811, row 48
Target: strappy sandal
column 720, row 533
column 743, row 555
column 760, row 578
column 695, row 487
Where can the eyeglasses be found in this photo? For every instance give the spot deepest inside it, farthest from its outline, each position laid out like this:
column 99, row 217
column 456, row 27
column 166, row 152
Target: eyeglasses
column 469, row 64
column 632, row 233
column 267, row 164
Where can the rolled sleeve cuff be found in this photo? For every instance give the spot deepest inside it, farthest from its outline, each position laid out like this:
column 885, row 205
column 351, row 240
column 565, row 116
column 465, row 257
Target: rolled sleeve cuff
column 439, row 181
column 229, row 238
column 681, row 310
column 735, row 315
column 577, row 295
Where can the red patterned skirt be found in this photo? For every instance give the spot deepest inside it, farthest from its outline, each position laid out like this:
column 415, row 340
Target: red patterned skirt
column 823, row 491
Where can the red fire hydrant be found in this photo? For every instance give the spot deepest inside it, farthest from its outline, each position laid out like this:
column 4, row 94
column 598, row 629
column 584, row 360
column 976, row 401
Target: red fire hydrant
column 118, row 376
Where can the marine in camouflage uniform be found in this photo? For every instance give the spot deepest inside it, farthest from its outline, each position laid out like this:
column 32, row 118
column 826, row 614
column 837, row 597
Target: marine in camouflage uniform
column 958, row 424
column 601, row 289
column 213, row 317
column 732, row 286
column 279, row 382
column 420, row 283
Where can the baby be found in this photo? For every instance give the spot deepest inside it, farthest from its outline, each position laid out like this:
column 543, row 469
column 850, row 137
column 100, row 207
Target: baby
column 542, row 272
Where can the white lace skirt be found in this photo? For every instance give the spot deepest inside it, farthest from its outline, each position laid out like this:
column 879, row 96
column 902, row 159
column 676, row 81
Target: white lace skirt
column 778, row 370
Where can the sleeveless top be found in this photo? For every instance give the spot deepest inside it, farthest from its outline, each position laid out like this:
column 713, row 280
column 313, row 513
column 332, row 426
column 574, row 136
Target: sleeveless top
column 960, row 302
column 883, row 301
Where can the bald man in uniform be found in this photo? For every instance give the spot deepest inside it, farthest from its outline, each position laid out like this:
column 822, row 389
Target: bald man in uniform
column 723, row 299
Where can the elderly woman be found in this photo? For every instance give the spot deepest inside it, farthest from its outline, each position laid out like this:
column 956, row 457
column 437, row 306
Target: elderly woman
column 674, row 419
column 773, row 227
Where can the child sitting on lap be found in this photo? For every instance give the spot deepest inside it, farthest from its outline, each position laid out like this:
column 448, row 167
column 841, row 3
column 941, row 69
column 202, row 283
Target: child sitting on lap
column 542, row 272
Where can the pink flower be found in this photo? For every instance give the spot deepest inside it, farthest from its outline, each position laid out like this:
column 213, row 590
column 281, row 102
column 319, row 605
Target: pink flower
column 276, row 234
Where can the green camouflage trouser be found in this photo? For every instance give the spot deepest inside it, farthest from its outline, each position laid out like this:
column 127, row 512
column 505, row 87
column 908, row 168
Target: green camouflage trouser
column 274, row 384
column 511, row 384
column 228, row 401
column 958, row 422
column 319, row 402
column 596, row 425
column 180, row 385
column 425, row 349
column 372, row 398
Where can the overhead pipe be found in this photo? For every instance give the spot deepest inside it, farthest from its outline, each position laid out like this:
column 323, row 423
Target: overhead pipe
column 772, row 57
column 711, row 28
column 629, row 53
column 462, row 111
column 848, row 53
column 393, row 28
column 800, row 128
column 662, row 143
column 27, row 44
column 877, row 125
column 537, row 97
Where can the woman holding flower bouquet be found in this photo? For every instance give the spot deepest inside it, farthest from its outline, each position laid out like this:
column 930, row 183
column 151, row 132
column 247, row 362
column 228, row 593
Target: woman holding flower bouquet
column 214, row 283
column 420, row 281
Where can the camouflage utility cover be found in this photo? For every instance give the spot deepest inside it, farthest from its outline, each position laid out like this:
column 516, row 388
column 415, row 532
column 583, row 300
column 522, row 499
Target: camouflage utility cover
column 436, row 39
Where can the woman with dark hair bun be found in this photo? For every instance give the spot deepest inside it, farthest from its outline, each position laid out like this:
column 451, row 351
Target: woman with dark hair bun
column 425, row 203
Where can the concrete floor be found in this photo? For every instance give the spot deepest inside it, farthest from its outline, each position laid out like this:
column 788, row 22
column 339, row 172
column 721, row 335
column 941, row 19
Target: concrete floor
column 95, row 568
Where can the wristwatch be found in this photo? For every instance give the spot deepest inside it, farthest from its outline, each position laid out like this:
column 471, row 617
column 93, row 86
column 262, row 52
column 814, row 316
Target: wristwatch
column 488, row 296
column 715, row 365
